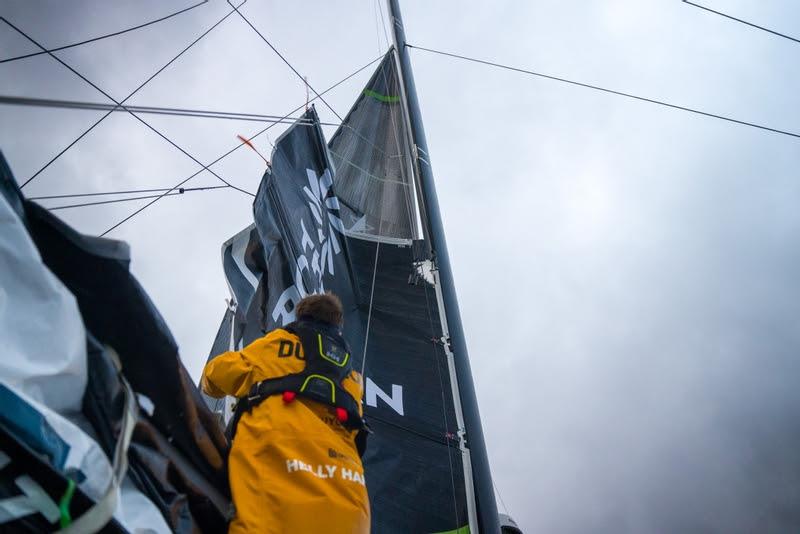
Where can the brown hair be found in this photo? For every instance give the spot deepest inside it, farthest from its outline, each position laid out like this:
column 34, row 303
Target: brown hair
column 326, row 308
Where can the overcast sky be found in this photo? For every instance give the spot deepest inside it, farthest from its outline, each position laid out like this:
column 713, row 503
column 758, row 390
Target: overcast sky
column 627, row 274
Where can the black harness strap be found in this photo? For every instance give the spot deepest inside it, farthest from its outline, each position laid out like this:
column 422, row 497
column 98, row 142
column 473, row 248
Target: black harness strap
column 328, row 363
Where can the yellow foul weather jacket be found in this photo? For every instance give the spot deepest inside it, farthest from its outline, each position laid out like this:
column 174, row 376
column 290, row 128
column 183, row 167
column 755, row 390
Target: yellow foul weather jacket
column 292, row 467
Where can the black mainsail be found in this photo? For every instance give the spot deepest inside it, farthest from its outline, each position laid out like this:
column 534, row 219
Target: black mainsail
column 404, row 349
column 483, row 516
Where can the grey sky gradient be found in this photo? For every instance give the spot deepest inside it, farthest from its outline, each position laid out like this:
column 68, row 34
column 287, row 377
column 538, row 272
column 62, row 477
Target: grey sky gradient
column 628, row 275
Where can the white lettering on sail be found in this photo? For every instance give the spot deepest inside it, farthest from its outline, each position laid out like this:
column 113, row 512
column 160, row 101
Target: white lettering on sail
column 238, row 251
column 284, row 309
column 321, row 203
column 318, row 245
column 302, row 265
column 395, row 400
column 305, row 239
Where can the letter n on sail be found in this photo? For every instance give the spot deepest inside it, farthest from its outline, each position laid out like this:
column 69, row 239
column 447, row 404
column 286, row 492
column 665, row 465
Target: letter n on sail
column 395, row 400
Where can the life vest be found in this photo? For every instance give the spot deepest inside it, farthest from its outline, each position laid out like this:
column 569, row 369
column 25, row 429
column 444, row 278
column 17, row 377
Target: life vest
column 328, row 363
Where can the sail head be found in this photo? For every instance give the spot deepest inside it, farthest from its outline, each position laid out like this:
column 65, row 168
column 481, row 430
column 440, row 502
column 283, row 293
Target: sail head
column 371, row 153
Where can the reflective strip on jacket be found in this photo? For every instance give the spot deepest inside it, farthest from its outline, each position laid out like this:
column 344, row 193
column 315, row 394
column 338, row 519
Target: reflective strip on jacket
column 292, row 467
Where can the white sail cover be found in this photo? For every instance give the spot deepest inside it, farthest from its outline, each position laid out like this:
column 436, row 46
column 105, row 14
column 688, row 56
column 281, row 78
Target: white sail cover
column 40, row 325
column 43, row 376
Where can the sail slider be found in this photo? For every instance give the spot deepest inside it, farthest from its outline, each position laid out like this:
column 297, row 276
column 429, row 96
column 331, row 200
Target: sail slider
column 416, row 149
column 444, row 341
column 462, row 439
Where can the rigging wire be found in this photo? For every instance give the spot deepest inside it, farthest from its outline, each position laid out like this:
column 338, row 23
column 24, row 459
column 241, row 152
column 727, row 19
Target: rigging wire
column 497, row 490
column 101, row 119
column 183, row 112
column 383, row 23
column 177, row 112
column 605, row 90
column 742, row 21
column 113, row 201
column 411, row 430
column 303, row 78
column 377, row 24
column 164, row 137
column 237, row 147
column 369, row 310
column 127, row 192
column 106, row 36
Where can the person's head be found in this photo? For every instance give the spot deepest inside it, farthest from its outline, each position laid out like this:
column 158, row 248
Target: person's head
column 326, row 308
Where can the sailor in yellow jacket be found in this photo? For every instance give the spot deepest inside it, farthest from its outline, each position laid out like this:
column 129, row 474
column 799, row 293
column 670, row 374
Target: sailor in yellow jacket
column 294, row 465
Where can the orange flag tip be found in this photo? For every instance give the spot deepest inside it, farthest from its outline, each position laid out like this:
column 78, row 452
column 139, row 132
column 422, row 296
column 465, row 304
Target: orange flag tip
column 247, row 142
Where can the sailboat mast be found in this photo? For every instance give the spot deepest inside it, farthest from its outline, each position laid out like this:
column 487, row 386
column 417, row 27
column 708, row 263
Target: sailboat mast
column 486, row 507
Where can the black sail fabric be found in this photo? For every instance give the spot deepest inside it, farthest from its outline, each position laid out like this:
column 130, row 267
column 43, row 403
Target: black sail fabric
column 373, row 166
column 298, row 221
column 296, row 246
column 413, row 464
column 414, row 468
column 299, row 245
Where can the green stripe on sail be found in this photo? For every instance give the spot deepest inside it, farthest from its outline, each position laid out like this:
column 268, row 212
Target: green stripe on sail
column 462, row 530
column 388, row 99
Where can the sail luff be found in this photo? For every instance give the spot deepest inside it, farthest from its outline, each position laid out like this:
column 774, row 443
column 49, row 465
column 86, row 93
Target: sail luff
column 486, row 507
column 419, row 214
column 459, row 410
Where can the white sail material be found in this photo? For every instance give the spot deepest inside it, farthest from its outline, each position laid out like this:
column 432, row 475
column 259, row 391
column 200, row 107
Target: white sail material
column 44, row 370
column 44, row 342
